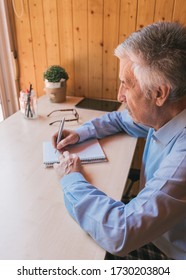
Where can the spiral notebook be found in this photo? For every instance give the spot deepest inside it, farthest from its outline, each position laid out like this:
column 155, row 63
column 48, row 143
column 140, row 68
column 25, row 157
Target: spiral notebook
column 89, row 151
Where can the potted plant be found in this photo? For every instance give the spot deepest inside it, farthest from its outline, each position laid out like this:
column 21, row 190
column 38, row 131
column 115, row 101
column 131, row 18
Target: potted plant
column 55, row 78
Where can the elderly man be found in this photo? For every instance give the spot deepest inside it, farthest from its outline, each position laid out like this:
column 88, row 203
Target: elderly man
column 153, row 86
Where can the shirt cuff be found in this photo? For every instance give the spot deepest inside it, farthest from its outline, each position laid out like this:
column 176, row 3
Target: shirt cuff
column 71, row 178
column 85, row 133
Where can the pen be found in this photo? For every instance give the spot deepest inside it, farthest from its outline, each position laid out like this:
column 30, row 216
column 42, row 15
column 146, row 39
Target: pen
column 59, row 136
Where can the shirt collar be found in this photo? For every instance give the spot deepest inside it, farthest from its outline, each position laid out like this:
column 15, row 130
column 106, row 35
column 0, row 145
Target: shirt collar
column 167, row 132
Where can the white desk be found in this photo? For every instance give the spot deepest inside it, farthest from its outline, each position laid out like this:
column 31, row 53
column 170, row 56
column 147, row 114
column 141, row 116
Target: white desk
column 34, row 223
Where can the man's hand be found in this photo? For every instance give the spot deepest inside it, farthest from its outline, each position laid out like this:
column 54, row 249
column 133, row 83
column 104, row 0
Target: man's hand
column 68, row 163
column 68, row 137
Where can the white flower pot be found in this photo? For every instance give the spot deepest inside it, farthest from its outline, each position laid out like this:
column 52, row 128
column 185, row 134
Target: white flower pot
column 53, row 85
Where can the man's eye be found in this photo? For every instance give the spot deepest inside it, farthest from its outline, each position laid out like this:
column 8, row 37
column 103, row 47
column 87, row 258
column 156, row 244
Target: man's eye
column 124, row 85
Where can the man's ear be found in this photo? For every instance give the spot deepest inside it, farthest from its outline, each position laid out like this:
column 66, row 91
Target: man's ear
column 162, row 94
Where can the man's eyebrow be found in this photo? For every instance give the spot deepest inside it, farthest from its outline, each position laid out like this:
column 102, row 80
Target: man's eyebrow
column 127, row 82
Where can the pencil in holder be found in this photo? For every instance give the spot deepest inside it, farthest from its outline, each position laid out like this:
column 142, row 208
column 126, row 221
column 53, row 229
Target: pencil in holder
column 28, row 104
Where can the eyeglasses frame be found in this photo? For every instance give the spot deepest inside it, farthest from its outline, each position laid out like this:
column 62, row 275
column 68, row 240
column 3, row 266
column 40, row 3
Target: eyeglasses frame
column 74, row 112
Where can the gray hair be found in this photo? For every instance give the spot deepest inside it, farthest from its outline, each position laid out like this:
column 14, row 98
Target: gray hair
column 158, row 53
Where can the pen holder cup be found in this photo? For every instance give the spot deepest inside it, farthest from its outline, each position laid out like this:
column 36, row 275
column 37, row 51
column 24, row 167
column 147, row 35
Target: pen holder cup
column 28, row 105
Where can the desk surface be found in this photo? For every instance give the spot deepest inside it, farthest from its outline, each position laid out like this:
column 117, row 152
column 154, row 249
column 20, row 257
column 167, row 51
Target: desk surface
column 34, row 221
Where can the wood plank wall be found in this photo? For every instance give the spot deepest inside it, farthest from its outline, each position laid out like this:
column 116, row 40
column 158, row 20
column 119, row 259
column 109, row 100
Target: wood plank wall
column 81, row 36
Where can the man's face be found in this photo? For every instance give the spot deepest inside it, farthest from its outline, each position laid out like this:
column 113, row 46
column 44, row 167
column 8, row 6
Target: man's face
column 140, row 108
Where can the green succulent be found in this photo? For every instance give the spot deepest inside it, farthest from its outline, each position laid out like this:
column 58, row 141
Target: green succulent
column 55, row 73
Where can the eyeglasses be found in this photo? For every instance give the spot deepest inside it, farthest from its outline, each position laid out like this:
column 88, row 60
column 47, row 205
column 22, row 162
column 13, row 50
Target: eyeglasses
column 73, row 111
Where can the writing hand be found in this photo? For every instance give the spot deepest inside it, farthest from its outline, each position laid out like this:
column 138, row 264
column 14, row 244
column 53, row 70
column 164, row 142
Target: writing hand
column 69, row 137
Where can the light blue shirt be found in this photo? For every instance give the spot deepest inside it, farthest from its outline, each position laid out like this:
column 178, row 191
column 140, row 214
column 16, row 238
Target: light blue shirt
column 158, row 213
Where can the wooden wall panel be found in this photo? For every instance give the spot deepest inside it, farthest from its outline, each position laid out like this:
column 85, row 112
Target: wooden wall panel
column 179, row 12
column 25, row 46
column 50, row 14
column 81, row 36
column 145, row 14
column 164, row 10
column 80, row 30
column 38, row 43
column 95, row 48
column 110, row 39
column 128, row 15
column 66, row 42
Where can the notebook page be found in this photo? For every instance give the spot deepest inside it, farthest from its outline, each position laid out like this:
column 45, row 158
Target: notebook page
column 88, row 152
column 50, row 155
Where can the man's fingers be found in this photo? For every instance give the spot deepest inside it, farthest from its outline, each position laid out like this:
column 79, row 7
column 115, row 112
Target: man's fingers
column 61, row 157
column 68, row 140
column 66, row 154
column 55, row 165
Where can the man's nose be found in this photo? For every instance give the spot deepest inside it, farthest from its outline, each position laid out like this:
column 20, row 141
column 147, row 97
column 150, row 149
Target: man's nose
column 121, row 95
